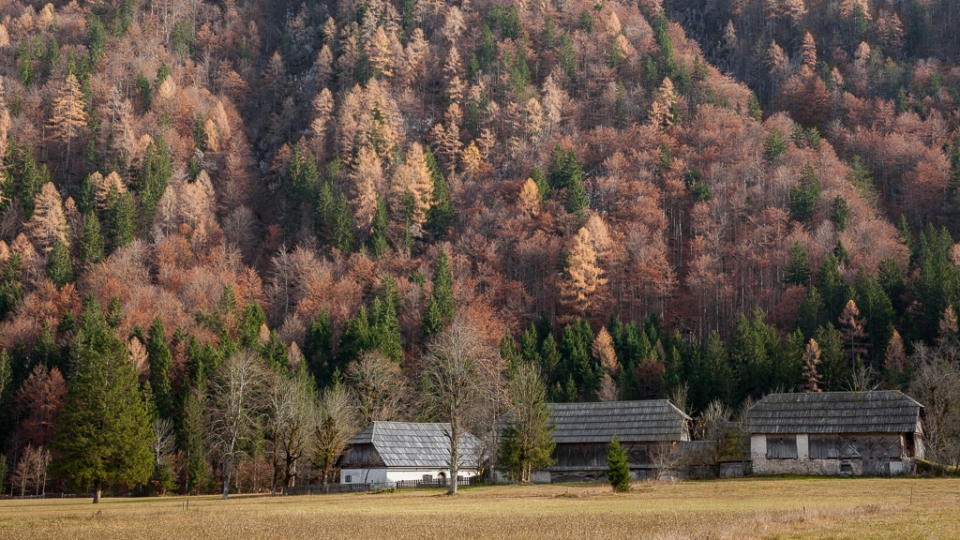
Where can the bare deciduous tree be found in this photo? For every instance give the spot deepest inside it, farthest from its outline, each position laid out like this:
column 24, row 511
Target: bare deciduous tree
column 236, row 401
column 290, row 425
column 379, row 387
column 461, row 379
column 336, row 425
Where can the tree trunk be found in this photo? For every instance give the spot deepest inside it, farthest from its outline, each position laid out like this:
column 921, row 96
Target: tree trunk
column 226, row 479
column 96, row 496
column 454, row 461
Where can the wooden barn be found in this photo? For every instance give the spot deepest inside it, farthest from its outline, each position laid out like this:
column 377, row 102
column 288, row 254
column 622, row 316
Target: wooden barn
column 389, row 452
column 829, row 433
column 650, row 432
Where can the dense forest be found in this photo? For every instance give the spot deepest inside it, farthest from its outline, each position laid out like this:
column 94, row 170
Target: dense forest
column 703, row 200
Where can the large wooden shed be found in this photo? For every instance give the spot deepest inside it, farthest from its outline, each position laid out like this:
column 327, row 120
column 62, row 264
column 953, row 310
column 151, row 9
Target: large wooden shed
column 833, row 433
column 390, row 452
column 583, row 431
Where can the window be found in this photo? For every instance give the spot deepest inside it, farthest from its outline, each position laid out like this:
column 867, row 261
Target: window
column 428, row 478
column 347, row 479
column 846, row 468
column 781, row 447
column 824, row 447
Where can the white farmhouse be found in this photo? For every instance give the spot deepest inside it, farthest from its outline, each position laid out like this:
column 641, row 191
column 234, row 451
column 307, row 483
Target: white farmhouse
column 388, row 452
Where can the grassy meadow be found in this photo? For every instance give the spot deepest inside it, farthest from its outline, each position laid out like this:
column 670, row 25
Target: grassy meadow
column 747, row 508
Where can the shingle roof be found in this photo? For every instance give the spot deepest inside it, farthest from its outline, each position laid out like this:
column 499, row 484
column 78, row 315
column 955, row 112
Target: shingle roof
column 409, row 444
column 835, row 412
column 632, row 421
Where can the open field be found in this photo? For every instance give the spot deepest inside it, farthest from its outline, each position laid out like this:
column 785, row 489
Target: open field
column 750, row 508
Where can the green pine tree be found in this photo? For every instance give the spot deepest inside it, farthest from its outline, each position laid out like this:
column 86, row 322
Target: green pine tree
column 191, row 436
column 90, row 247
column 440, row 215
column 618, row 466
column 340, row 228
column 59, row 267
column 316, row 348
column 154, row 174
column 441, row 307
column 378, row 233
column 121, row 212
column 161, row 360
column 103, row 432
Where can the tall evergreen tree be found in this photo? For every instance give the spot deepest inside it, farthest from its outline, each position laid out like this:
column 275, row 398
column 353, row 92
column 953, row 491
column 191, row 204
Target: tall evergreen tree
column 103, row 431
column 378, row 232
column 154, row 174
column 160, row 360
column 441, row 307
column 440, row 215
column 90, row 247
column 59, row 267
column 192, row 432
column 121, row 212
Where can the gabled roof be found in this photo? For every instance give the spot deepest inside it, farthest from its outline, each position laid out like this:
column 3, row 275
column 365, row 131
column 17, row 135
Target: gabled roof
column 632, row 421
column 835, row 412
column 410, row 444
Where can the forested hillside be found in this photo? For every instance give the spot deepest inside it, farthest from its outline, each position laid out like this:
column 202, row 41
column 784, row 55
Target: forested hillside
column 319, row 192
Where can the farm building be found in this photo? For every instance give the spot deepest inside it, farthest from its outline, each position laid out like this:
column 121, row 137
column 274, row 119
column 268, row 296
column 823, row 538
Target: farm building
column 835, row 433
column 387, row 452
column 650, row 432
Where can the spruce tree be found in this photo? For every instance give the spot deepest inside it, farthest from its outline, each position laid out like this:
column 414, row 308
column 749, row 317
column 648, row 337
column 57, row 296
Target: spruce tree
column 316, row 348
column 103, row 432
column 121, row 212
column 340, row 226
column 385, row 330
column 11, row 289
column 799, row 271
column 154, row 174
column 160, row 359
column 441, row 307
column 440, row 215
column 90, row 247
column 618, row 466
column 192, row 431
column 59, row 267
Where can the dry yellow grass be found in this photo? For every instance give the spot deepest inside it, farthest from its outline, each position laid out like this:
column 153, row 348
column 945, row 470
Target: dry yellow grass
column 751, row 508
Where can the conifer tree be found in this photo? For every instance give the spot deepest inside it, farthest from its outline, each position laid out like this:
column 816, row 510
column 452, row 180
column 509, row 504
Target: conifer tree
column 121, row 212
column 834, row 369
column 69, row 113
column 59, row 267
column 161, row 360
column 103, row 431
column 48, row 223
column 618, row 466
column 153, row 177
column 584, row 275
column 90, row 247
column 440, row 215
column 527, row 442
column 192, row 432
column 11, row 288
column 811, row 359
column 341, row 225
column 441, row 307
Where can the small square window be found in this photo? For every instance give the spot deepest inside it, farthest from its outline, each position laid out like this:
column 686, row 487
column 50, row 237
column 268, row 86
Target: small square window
column 846, row 468
column 348, row 479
